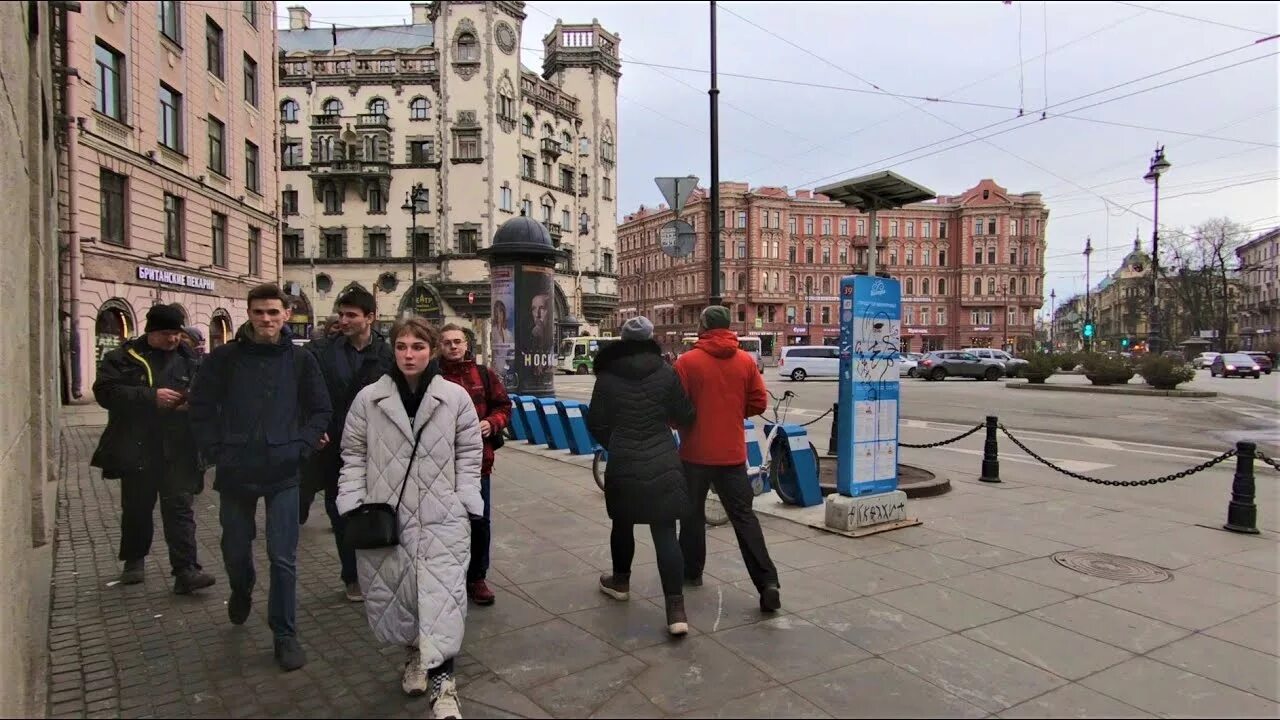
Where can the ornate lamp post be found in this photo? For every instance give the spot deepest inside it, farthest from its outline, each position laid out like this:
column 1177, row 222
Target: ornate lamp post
column 1158, row 167
column 415, row 202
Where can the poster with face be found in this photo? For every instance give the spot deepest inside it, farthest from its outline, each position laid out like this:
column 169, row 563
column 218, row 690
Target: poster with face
column 535, row 329
column 502, row 343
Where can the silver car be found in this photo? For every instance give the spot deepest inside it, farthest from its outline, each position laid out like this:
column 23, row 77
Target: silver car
column 1012, row 365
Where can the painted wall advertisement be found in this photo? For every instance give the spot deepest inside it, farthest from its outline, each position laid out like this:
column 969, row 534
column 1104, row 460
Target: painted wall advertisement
column 535, row 351
column 502, row 326
column 870, row 339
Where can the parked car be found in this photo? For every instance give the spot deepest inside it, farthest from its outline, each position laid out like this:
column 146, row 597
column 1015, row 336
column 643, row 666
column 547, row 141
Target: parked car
column 1235, row 365
column 943, row 364
column 799, row 362
column 1012, row 365
column 908, row 364
column 1204, row 359
column 1263, row 360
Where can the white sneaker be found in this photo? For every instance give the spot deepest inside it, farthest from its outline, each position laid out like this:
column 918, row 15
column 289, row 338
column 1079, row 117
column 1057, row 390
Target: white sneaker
column 353, row 593
column 446, row 706
column 414, row 679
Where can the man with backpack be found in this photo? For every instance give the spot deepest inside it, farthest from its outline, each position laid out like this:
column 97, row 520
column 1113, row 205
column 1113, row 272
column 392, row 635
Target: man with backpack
column 356, row 358
column 493, row 407
column 259, row 409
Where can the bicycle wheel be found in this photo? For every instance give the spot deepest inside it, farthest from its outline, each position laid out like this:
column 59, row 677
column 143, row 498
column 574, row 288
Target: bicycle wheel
column 598, row 464
column 714, row 510
column 780, row 465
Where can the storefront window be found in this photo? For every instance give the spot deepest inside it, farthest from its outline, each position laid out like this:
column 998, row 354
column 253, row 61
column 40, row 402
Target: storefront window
column 219, row 330
column 113, row 327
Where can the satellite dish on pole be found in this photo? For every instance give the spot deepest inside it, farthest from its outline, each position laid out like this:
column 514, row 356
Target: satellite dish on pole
column 677, row 238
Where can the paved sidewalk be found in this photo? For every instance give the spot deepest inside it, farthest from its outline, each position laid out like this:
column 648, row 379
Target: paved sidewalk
column 964, row 616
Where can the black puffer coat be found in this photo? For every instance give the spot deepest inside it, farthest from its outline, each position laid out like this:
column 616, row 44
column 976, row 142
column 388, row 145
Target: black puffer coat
column 637, row 398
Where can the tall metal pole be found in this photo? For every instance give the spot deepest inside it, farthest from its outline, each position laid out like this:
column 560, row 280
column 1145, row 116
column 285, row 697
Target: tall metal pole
column 1088, row 290
column 1053, row 317
column 1004, row 292
column 714, row 224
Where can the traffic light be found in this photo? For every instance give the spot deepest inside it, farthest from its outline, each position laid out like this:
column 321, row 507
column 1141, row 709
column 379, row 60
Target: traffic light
column 1124, row 342
column 1088, row 330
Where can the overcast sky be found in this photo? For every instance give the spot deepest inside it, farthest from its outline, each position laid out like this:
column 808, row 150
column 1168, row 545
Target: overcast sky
column 781, row 133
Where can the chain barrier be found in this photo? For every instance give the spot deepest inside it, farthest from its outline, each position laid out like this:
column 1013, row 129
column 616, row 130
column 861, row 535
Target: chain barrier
column 1120, row 483
column 957, row 438
column 1267, row 459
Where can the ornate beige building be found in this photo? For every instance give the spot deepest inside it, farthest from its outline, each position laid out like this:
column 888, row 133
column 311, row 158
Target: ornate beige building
column 367, row 114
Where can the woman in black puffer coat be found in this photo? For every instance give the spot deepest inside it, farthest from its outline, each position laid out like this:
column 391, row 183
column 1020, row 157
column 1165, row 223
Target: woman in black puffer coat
column 636, row 400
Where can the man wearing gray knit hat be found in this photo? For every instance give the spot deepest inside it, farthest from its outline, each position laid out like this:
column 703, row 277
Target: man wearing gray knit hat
column 725, row 387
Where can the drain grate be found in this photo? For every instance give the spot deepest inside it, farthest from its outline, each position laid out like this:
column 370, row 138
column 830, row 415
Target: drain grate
column 1112, row 567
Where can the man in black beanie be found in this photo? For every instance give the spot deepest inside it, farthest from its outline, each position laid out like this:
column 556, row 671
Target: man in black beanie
column 148, row 445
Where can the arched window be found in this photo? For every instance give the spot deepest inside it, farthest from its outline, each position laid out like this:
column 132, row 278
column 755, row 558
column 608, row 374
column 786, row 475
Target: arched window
column 991, row 286
column 468, row 50
column 526, row 126
column 377, row 106
column 977, row 286
column 419, row 109
column 826, row 285
column 548, row 131
column 742, row 282
column 332, row 106
column 911, row 286
column 942, row 286
column 288, row 111
column 584, row 224
column 924, row 286
column 791, row 283
column 1024, row 286
column 777, row 282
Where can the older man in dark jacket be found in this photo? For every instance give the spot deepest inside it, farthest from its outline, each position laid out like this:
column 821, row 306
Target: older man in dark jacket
column 259, row 409
column 148, row 445
column 636, row 400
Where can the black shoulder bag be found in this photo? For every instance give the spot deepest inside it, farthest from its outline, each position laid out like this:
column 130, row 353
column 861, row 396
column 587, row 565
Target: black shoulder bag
column 376, row 525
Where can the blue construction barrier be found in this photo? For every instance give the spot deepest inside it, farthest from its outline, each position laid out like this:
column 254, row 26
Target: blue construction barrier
column 797, row 464
column 533, row 420
column 519, row 426
column 575, row 421
column 557, row 438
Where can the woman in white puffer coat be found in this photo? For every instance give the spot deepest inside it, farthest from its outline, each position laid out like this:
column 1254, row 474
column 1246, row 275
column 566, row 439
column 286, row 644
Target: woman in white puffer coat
column 416, row 592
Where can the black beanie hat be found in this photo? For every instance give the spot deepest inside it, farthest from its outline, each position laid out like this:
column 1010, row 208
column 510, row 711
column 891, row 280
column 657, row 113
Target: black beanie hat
column 163, row 317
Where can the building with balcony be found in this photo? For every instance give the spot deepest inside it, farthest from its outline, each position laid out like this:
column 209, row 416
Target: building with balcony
column 367, row 114
column 971, row 266
column 168, row 189
column 1259, row 308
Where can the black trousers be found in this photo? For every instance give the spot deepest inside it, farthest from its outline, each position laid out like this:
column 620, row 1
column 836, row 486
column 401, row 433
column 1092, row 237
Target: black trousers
column 138, row 495
column 481, row 535
column 734, row 491
column 622, row 545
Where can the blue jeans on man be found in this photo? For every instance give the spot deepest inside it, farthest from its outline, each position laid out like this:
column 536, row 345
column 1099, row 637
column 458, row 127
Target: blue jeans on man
column 237, row 514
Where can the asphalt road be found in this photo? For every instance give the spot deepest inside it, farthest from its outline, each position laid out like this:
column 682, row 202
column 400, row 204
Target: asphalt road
column 1206, row 424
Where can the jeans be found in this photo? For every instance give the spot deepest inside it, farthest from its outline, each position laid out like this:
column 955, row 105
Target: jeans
column 734, row 491
column 239, row 528
column 138, row 494
column 480, row 533
column 346, row 553
column 622, row 545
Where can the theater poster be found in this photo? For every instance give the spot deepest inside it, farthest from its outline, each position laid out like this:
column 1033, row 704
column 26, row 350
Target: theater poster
column 502, row 326
column 535, row 329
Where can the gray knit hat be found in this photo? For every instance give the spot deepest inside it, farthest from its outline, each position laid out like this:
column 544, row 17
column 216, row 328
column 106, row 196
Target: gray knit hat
column 715, row 317
column 637, row 328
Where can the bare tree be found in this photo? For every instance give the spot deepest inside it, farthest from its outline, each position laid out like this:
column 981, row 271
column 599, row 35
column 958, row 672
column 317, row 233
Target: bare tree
column 1200, row 277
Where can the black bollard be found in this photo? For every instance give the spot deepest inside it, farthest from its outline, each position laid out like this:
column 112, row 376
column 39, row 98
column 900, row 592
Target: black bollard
column 991, row 453
column 1242, row 513
column 835, row 426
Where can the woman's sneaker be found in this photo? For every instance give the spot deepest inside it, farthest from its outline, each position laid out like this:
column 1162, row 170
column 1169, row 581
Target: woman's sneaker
column 445, row 706
column 616, row 586
column 677, row 620
column 414, row 680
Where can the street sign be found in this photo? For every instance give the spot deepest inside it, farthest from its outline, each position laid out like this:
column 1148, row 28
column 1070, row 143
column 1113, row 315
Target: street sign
column 677, row 238
column 676, row 190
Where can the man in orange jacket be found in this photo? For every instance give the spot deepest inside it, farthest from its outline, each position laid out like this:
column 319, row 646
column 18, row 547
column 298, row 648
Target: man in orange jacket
column 726, row 388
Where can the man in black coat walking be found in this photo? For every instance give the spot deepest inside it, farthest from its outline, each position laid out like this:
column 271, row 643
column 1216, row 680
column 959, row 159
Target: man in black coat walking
column 636, row 401
column 148, row 445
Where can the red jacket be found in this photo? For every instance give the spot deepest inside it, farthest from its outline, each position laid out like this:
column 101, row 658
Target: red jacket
column 726, row 388
column 496, row 408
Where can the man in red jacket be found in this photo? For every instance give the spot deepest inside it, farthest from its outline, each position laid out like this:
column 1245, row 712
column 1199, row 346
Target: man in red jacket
column 726, row 388
column 493, row 407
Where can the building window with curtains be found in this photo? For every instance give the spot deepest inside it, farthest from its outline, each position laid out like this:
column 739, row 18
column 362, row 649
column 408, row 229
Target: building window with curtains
column 110, row 99
column 218, row 229
column 255, row 252
column 111, row 207
column 251, row 179
column 173, row 230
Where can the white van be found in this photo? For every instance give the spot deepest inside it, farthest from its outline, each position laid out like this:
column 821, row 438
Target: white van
column 798, row 362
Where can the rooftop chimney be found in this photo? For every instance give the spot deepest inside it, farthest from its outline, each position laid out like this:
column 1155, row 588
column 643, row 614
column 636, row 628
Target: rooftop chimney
column 420, row 13
column 299, row 18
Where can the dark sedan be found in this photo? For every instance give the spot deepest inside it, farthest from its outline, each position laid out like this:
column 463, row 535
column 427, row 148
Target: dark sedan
column 1235, row 365
column 1263, row 360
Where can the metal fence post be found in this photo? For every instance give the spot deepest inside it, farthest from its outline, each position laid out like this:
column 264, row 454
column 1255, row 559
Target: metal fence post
column 1242, row 513
column 835, row 426
column 991, row 453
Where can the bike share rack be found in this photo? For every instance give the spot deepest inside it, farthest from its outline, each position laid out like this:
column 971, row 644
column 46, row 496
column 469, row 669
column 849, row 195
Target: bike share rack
column 798, row 468
column 755, row 458
column 549, row 415
column 573, row 414
column 519, row 426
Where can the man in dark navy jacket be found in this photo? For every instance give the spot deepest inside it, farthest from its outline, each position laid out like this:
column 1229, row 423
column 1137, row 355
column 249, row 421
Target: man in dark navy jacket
column 259, row 409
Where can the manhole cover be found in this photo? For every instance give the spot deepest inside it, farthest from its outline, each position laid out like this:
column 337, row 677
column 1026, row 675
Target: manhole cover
column 1111, row 567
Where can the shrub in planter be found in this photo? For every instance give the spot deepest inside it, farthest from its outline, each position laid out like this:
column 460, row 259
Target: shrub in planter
column 1039, row 368
column 1165, row 373
column 1067, row 361
column 1105, row 370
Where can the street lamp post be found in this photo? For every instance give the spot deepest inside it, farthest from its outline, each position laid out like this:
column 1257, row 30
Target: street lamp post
column 414, row 200
column 1088, row 293
column 1158, row 167
column 1053, row 317
column 1004, row 294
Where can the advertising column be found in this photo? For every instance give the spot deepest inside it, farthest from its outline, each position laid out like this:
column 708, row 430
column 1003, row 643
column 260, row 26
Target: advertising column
column 535, row 350
column 502, row 328
column 870, row 338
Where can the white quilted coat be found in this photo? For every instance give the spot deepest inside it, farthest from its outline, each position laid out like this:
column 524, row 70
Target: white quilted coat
column 416, row 593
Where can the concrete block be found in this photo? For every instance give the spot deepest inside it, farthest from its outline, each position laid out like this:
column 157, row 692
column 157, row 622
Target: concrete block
column 850, row 513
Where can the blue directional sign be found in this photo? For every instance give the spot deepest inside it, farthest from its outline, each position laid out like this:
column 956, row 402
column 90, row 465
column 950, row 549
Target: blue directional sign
column 867, row 435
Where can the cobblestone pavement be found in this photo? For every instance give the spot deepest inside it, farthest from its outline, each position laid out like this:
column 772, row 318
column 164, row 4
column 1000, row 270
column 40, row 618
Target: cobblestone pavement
column 965, row 616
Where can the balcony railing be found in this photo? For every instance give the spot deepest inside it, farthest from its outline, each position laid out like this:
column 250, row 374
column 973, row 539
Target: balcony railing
column 326, row 120
column 353, row 167
column 555, row 231
column 299, row 69
column 372, row 120
column 551, row 147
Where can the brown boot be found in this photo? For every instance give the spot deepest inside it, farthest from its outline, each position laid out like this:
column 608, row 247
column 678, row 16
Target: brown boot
column 616, row 586
column 677, row 621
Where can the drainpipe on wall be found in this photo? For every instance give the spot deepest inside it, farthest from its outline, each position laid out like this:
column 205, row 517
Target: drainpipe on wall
column 72, row 231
